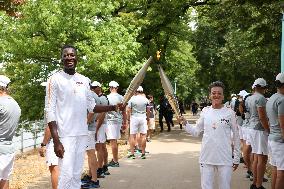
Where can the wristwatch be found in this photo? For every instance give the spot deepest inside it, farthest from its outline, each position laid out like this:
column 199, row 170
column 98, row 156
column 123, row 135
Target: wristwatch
column 42, row 144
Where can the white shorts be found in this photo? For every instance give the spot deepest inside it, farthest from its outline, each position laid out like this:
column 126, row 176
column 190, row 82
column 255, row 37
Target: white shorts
column 51, row 158
column 152, row 124
column 91, row 142
column 101, row 136
column 259, row 142
column 276, row 150
column 138, row 125
column 6, row 165
column 248, row 136
column 113, row 130
column 212, row 173
column 70, row 167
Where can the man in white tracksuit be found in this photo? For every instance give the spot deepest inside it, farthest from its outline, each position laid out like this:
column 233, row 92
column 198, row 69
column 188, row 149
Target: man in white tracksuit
column 217, row 122
column 68, row 102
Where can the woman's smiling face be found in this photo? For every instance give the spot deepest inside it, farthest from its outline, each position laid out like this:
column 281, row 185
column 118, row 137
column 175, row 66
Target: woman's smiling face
column 216, row 96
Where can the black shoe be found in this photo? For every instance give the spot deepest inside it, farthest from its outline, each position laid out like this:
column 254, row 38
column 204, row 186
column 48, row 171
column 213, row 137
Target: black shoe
column 100, row 173
column 249, row 174
column 105, row 170
column 91, row 184
column 264, row 180
column 180, row 126
column 143, row 156
column 113, row 164
column 86, row 179
column 242, row 160
column 131, row 156
column 260, row 187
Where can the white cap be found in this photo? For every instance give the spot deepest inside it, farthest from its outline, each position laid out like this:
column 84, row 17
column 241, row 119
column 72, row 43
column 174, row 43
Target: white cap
column 243, row 93
column 96, row 84
column 232, row 95
column 140, row 89
column 113, row 84
column 44, row 84
column 259, row 81
column 4, row 81
column 280, row 77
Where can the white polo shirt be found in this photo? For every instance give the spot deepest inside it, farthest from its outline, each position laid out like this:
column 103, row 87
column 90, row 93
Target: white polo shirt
column 138, row 105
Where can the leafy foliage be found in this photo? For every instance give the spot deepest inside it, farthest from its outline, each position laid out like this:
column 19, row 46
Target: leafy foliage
column 238, row 42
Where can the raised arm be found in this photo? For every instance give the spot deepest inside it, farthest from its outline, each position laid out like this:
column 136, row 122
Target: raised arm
column 195, row 129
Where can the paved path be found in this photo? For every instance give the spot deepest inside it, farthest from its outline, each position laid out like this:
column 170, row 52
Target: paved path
column 172, row 163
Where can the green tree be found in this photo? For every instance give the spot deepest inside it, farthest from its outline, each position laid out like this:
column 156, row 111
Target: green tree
column 30, row 45
column 238, row 41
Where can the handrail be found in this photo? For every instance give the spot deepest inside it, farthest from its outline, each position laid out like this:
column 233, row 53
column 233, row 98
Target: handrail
column 37, row 128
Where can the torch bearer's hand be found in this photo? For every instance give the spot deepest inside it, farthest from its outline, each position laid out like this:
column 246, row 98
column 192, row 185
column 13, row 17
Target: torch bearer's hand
column 119, row 107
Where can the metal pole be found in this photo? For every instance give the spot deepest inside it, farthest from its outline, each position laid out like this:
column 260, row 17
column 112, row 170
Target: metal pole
column 35, row 134
column 282, row 45
column 22, row 138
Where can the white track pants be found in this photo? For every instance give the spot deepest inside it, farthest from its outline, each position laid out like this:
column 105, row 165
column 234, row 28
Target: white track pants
column 221, row 172
column 70, row 167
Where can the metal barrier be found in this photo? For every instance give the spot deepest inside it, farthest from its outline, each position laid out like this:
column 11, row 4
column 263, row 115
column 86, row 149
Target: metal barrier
column 34, row 128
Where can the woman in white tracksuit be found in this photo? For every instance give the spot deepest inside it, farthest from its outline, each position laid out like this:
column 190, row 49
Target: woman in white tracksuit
column 217, row 122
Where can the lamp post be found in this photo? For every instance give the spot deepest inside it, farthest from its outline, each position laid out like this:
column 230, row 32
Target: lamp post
column 282, row 38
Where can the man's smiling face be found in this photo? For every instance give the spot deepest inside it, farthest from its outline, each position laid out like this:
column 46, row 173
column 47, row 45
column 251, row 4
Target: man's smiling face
column 69, row 58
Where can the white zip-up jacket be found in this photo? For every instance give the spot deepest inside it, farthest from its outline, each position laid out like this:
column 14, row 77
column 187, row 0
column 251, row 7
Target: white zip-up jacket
column 217, row 125
column 69, row 99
